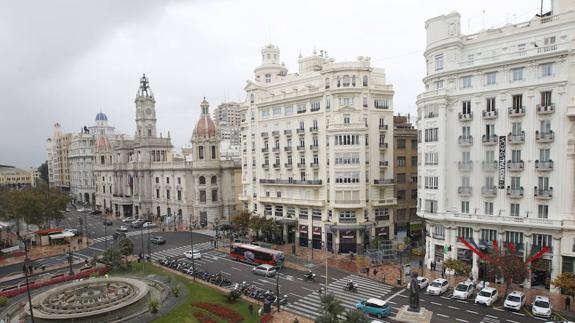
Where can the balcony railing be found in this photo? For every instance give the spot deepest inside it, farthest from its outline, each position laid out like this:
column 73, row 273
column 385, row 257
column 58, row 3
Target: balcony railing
column 544, row 166
column 276, row 149
column 292, row 181
column 275, row 133
column 384, row 163
column 287, row 132
column 515, row 139
column 515, row 192
column 300, row 148
column 543, row 193
column 383, row 145
column 465, row 165
column 347, row 220
column 515, row 166
column 313, row 129
column 383, row 127
column 314, row 147
column 438, row 236
column 546, row 109
column 516, row 111
column 465, row 141
column 489, row 139
column 287, row 148
column 264, row 134
column 489, row 166
column 265, row 150
column 543, row 137
column 464, row 190
column 300, row 131
column 301, row 165
column 266, row 166
column 489, row 115
column 383, row 181
column 466, row 116
column 288, row 165
column 489, row 191
column 314, row 165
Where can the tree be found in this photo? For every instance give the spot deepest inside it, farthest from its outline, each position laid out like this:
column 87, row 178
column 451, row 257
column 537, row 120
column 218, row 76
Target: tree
column 113, row 257
column 565, row 281
column 241, row 222
column 355, row 316
column 126, row 248
column 331, row 309
column 460, row 267
column 507, row 264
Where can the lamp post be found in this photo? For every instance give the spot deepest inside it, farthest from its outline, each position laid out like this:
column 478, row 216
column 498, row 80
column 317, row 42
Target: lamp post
column 483, row 249
column 25, row 270
column 278, row 289
column 70, row 259
column 105, row 235
column 192, row 224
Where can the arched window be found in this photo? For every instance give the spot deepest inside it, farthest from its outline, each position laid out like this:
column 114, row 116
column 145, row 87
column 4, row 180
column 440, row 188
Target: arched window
column 345, row 80
column 252, row 98
column 338, row 82
column 365, row 80
column 158, row 211
column 202, row 180
column 353, row 80
column 201, row 152
column 214, row 180
column 327, row 83
column 149, row 132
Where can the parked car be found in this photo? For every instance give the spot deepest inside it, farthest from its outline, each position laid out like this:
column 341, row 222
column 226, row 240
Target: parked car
column 464, row 290
column 118, row 235
column 265, row 270
column 137, row 224
column 375, row 307
column 438, row 286
column 421, row 281
column 487, row 296
column 76, row 232
column 108, row 222
column 193, row 254
column 149, row 225
column 123, row 228
column 95, row 212
column 158, row 240
column 128, row 220
column 541, row 306
column 514, row 301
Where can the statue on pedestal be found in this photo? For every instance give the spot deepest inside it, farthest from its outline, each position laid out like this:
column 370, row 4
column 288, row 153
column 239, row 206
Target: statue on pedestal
column 414, row 293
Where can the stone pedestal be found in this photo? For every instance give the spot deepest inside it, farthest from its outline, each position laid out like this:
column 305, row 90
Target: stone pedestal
column 405, row 315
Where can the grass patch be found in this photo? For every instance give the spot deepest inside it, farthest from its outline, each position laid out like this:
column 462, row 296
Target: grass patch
column 196, row 293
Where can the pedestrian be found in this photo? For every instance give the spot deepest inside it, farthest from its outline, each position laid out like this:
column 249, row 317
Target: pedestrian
column 367, row 272
column 251, row 309
column 433, row 265
column 375, row 272
column 30, row 269
column 568, row 303
column 443, row 272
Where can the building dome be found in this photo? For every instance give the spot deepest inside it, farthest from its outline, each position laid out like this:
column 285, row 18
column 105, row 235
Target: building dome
column 205, row 128
column 103, row 144
column 101, row 117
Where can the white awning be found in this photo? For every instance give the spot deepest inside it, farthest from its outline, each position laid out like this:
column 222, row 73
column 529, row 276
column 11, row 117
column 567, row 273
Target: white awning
column 65, row 234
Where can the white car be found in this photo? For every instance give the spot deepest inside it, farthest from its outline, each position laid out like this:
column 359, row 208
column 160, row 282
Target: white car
column 193, row 254
column 128, row 220
column 148, row 225
column 438, row 287
column 122, row 228
column 541, row 307
column 487, row 296
column 421, row 281
column 463, row 290
column 266, row 270
column 514, row 301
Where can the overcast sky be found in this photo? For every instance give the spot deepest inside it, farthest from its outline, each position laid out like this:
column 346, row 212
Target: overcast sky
column 64, row 61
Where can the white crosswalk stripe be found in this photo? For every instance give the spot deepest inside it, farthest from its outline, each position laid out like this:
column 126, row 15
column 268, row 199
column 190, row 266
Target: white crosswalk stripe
column 128, row 234
column 179, row 251
column 488, row 319
column 310, row 306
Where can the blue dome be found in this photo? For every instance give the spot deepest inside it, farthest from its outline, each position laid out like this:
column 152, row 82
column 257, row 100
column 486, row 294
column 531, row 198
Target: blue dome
column 101, row 117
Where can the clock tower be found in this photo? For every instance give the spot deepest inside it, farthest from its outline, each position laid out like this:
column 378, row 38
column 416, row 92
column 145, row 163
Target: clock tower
column 145, row 111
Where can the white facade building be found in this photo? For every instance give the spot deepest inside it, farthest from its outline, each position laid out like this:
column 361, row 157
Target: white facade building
column 57, row 150
column 317, row 150
column 496, row 142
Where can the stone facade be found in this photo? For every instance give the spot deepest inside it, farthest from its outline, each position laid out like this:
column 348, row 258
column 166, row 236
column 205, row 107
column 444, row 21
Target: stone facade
column 317, row 150
column 57, row 150
column 227, row 119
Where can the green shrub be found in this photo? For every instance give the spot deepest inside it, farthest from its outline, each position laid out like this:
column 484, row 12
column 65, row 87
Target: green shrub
column 176, row 291
column 233, row 296
column 3, row 301
column 153, row 305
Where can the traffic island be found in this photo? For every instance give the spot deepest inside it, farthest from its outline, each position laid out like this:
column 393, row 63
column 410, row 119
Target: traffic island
column 406, row 315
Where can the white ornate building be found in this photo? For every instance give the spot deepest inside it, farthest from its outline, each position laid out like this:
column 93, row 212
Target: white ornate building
column 142, row 177
column 317, row 150
column 496, row 139
column 57, row 149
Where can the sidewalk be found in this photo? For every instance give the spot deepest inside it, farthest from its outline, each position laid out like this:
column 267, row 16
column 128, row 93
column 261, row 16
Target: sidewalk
column 38, row 252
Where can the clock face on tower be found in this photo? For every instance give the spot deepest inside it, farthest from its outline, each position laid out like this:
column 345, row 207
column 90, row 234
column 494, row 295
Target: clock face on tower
column 148, row 111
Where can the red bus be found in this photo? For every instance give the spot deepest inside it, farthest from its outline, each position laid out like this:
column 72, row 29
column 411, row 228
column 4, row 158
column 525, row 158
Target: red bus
column 256, row 255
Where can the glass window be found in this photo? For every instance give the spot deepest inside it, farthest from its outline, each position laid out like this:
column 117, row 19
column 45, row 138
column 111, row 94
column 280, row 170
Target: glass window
column 490, row 78
column 439, row 62
column 546, row 69
column 466, row 82
column 517, row 74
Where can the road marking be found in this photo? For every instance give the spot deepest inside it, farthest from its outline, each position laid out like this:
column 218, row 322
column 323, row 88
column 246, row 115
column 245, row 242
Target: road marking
column 516, row 313
column 495, row 317
column 460, row 320
column 453, row 307
column 472, row 312
column 498, row 309
column 308, row 289
column 404, row 296
column 296, row 295
column 225, row 273
column 393, row 296
column 94, row 248
column 439, row 314
column 300, row 279
column 258, row 283
column 234, row 268
column 460, row 301
column 512, row 321
column 392, row 302
column 445, row 297
column 434, row 303
column 322, row 276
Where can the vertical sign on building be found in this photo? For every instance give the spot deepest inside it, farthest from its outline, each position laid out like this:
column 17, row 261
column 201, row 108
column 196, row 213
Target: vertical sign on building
column 501, row 162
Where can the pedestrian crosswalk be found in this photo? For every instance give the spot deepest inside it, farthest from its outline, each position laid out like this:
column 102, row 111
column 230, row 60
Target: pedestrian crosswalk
column 56, row 260
column 179, row 251
column 310, row 306
column 490, row 319
column 128, row 234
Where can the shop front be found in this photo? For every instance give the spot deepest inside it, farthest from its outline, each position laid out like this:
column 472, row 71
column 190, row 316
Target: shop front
column 303, row 235
column 348, row 241
column 316, row 238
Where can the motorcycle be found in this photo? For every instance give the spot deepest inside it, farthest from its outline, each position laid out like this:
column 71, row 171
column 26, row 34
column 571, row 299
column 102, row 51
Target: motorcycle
column 350, row 286
column 309, row 276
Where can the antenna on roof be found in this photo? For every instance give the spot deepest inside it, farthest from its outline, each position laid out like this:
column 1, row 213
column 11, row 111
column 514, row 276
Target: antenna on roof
column 541, row 9
column 483, row 15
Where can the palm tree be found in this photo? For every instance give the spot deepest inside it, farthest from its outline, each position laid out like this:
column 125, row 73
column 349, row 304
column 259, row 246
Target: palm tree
column 355, row 316
column 331, row 308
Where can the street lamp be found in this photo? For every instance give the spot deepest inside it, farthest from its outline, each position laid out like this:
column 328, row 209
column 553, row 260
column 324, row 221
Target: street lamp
column 70, row 259
column 192, row 224
column 25, row 270
column 278, row 289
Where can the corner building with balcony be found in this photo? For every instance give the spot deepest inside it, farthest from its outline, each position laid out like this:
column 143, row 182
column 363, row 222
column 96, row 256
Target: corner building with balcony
column 317, row 150
column 496, row 142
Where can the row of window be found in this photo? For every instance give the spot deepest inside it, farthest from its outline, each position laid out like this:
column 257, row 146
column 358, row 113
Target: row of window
column 178, row 180
column 400, row 143
column 401, row 161
column 515, row 75
column 489, row 235
column 168, row 195
column 432, row 158
column 430, row 206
